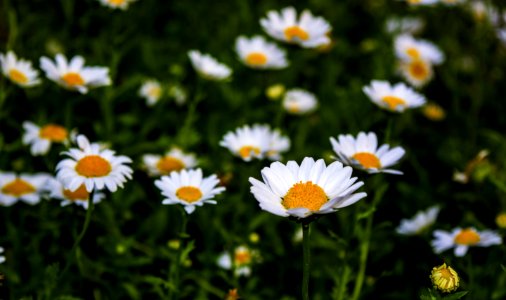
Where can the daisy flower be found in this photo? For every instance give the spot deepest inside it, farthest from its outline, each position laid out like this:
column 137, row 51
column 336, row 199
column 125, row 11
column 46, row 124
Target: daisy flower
column 41, row 138
column 306, row 31
column 301, row 191
column 462, row 239
column 19, row 71
column 445, row 278
column 408, row 48
column 248, row 142
column 189, row 188
column 363, row 153
column 416, row 72
column 118, row 4
column 299, row 101
column 2, row 258
column 208, row 67
column 24, row 187
column 421, row 221
column 396, row 98
column 151, row 90
column 78, row 197
column 173, row 160
column 94, row 167
column 74, row 75
column 257, row 53
column 277, row 145
column 240, row 261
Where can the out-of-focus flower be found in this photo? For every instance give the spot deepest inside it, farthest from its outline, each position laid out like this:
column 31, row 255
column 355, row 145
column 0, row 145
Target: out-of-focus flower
column 462, row 239
column 419, row 223
column 278, row 144
column 299, row 101
column 445, row 278
column 500, row 220
column 19, row 71
column 208, row 67
column 151, row 90
column 2, row 258
column 433, row 111
column 74, row 75
column 421, row 2
column 463, row 177
column 481, row 11
column 241, row 260
column 416, row 72
column 306, row 31
column 363, row 153
column 78, row 197
column 408, row 48
column 232, row 295
column 254, row 237
column 395, row 98
column 41, row 138
column 405, row 25
column 24, row 187
column 117, row 4
column 178, row 93
column 501, row 35
column 189, row 188
column 257, row 53
column 301, row 191
column 93, row 167
column 275, row 92
column 173, row 160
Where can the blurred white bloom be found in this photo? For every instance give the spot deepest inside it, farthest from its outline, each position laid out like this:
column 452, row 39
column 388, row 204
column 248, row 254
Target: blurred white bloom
column 208, row 67
column 240, row 262
column 421, row 2
column 178, row 93
column 409, row 25
column 24, row 187
column 151, row 90
column 257, row 53
column 118, row 4
column 277, row 145
column 407, row 48
column 416, row 72
column 19, row 71
column 420, row 222
column 395, row 98
column 2, row 258
column 41, row 138
column 174, row 160
column 299, row 101
column 78, row 197
column 462, row 239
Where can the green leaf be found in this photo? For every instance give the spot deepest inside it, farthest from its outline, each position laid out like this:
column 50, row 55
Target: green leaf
column 455, row 296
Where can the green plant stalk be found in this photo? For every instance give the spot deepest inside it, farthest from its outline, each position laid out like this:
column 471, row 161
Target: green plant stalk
column 174, row 269
column 306, row 256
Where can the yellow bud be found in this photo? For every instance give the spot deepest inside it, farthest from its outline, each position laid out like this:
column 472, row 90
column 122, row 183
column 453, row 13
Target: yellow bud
column 445, row 278
column 174, row 244
column 254, row 237
column 275, row 92
column 433, row 112
column 500, row 220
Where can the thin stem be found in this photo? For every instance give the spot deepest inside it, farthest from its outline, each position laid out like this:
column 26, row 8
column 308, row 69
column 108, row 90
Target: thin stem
column 306, row 260
column 174, row 270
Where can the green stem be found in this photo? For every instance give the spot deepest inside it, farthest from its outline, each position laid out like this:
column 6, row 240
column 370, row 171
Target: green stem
column 306, row 260
column 174, row 269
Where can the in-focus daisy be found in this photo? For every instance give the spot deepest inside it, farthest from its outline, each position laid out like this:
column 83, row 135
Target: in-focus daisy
column 419, row 223
column 189, row 188
column 19, row 71
column 117, row 4
column 417, row 72
column 240, row 261
column 24, row 187
column 257, row 53
column 363, row 153
column 94, row 167
column 408, row 25
column 74, row 75
column 173, row 160
column 408, row 48
column 78, row 197
column 396, row 98
column 299, row 101
column 462, row 239
column 277, row 145
column 208, row 67
column 301, row 191
column 151, row 90
column 307, row 31
column 41, row 138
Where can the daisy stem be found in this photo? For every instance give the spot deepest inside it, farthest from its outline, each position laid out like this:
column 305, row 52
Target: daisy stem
column 174, row 270
column 306, row 260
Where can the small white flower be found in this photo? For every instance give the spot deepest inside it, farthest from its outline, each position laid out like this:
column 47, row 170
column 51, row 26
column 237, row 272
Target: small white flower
column 78, row 197
column 41, row 138
column 189, row 188
column 408, row 48
column 151, row 90
column 257, row 53
column 462, row 239
column 240, row 262
column 24, row 187
column 117, row 4
column 416, row 72
column 306, row 31
column 208, row 67
column 406, row 25
column 420, row 222
column 94, row 167
column 363, row 153
column 19, row 71
column 74, row 75
column 501, row 35
column 173, row 160
column 299, row 101
column 395, row 98
column 2, row 258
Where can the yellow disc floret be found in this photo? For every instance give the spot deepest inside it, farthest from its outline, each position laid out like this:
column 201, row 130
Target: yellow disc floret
column 293, row 32
column 247, row 151
column 17, row 76
column 256, row 59
column 367, row 160
column 189, row 194
column 467, row 237
column 80, row 194
column 93, row 166
column 54, row 133
column 73, row 79
column 307, row 195
column 18, row 187
column 393, row 102
column 168, row 164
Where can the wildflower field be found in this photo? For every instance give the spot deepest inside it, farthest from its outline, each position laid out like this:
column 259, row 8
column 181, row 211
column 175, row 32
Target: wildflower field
column 252, row 149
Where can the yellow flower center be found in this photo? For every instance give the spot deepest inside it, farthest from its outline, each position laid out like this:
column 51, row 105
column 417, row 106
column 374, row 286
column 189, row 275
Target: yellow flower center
column 168, row 164
column 367, row 160
column 54, row 133
column 413, row 52
column 419, row 70
column 18, row 76
column 116, row 2
column 242, row 257
column 73, row 79
column 467, row 237
column 18, row 187
column 256, row 59
column 393, row 102
column 445, row 278
column 247, row 151
column 307, row 195
column 93, row 166
column 80, row 194
column 155, row 92
column 189, row 194
column 433, row 112
column 296, row 32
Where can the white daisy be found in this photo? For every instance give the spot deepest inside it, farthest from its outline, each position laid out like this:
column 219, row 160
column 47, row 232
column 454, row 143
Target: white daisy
column 301, row 191
column 173, row 160
column 151, row 90
column 501, row 35
column 363, row 153
column 299, row 101
column 189, row 188
column 257, row 53
column 118, row 4
column 94, row 167
column 248, row 142
column 396, row 98
column 408, row 48
column 420, row 222
column 409, row 25
column 307, row 31
column 40, row 138
column 24, row 187
column 240, row 262
column 462, row 239
column 277, row 145
column 208, row 67
column 19, row 71
column 78, row 197
column 416, row 72
column 2, row 258
column 74, row 75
